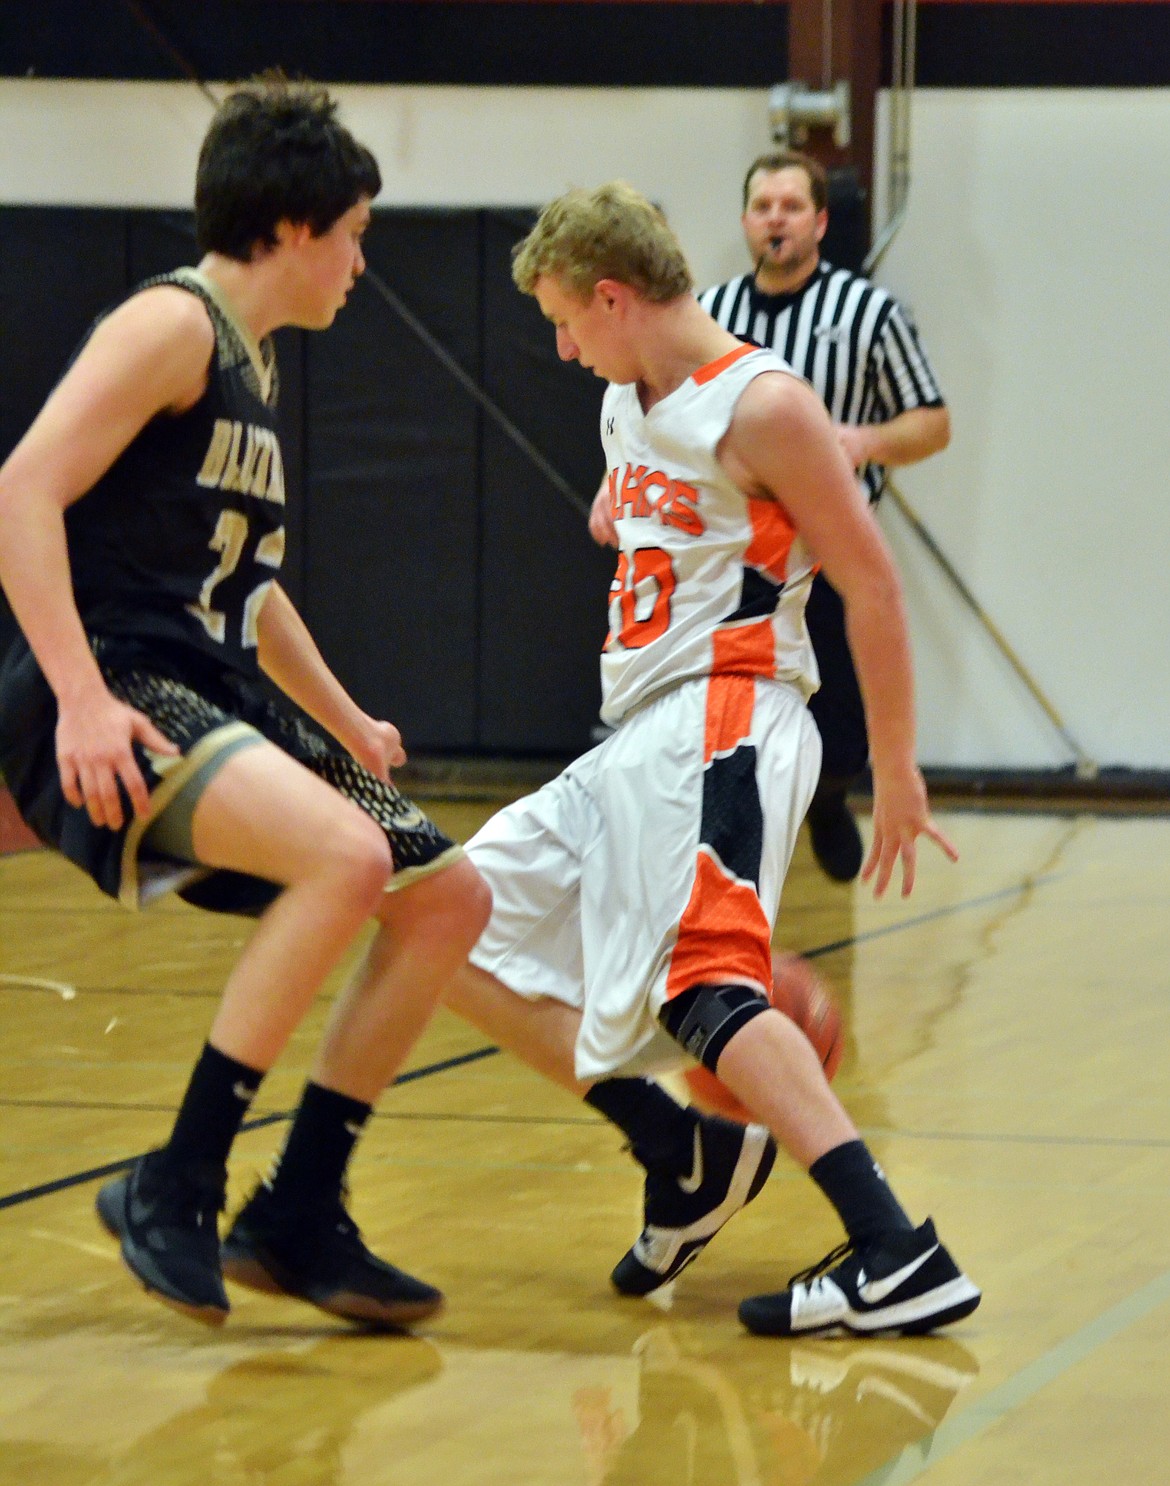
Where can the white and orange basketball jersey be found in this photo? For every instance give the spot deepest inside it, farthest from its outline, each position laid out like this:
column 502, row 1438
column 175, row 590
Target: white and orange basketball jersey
column 708, row 581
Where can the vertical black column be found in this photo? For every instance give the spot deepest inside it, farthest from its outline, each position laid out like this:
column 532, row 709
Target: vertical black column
column 390, row 521
column 544, row 581
column 59, row 267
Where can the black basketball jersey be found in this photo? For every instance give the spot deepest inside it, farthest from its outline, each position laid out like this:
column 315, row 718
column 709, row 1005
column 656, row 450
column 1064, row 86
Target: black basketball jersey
column 180, row 538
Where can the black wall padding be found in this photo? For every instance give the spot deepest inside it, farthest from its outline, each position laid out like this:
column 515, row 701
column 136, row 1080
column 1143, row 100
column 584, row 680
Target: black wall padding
column 392, row 501
column 451, row 588
column 545, row 582
column 706, row 43
column 545, row 42
column 59, row 267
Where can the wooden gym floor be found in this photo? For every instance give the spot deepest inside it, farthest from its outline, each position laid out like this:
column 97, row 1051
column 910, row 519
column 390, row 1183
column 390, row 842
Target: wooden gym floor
column 1007, row 1060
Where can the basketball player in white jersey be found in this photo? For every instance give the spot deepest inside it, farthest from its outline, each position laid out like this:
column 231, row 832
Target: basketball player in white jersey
column 635, row 895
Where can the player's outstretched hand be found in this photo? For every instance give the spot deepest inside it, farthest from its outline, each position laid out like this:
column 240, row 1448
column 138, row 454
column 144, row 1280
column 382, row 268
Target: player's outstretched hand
column 901, row 813
column 95, row 754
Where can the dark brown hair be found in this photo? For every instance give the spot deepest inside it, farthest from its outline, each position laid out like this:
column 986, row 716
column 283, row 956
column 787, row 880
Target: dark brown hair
column 786, row 160
column 275, row 152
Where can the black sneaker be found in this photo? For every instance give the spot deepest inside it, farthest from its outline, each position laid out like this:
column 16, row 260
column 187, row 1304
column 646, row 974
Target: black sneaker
column 320, row 1257
column 165, row 1215
column 836, row 841
column 903, row 1282
column 684, row 1213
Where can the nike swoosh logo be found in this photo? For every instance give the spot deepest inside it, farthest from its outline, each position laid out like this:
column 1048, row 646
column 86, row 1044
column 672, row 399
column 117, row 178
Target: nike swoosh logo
column 242, row 1092
column 873, row 1292
column 691, row 1184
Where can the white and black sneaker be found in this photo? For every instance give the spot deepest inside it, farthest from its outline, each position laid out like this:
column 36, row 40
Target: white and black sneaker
column 904, row 1282
column 683, row 1213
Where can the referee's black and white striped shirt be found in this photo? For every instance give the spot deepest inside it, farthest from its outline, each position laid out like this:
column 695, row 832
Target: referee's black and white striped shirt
column 845, row 335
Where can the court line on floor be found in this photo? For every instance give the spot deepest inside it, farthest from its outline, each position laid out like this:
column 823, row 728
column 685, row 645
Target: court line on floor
column 110, row 1168
column 462, row 1117
column 406, row 1116
column 915, row 1460
column 982, row 1137
column 32, row 983
column 949, row 911
column 45, row 1189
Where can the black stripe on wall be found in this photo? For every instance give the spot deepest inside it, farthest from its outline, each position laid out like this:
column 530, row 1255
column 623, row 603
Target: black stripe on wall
column 479, row 42
column 630, row 45
column 1119, row 45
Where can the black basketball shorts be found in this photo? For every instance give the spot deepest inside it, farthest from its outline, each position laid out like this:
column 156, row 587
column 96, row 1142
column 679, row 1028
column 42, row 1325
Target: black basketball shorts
column 204, row 711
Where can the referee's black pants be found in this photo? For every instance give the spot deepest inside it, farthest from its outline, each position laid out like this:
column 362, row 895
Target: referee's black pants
column 837, row 707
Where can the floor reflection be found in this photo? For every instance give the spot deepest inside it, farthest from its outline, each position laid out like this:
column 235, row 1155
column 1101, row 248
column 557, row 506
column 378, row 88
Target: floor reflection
column 278, row 1417
column 800, row 1413
column 675, row 1409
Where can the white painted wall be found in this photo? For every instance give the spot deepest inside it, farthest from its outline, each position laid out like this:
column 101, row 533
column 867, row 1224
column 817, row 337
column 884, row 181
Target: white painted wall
column 1034, row 257
column 107, row 144
column 1037, row 259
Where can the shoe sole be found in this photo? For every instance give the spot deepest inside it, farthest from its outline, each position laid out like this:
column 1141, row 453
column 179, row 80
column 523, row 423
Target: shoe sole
column 264, row 1277
column 945, row 1317
column 206, row 1315
column 894, row 1320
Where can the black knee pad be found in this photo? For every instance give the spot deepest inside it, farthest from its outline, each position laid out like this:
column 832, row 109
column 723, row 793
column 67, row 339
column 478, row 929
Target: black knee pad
column 704, row 1018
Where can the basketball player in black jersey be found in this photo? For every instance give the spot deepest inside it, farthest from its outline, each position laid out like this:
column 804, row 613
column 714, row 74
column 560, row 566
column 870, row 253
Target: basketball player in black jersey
column 141, row 533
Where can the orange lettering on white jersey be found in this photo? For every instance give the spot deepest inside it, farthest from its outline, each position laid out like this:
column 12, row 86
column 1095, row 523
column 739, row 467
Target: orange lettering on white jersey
column 709, row 582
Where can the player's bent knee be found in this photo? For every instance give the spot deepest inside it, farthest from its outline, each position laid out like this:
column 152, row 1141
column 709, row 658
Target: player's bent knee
column 450, row 908
column 478, row 905
column 704, row 1018
column 360, row 852
column 466, row 902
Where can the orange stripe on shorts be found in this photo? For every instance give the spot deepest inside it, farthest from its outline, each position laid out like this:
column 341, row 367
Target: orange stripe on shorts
column 723, row 936
column 730, row 702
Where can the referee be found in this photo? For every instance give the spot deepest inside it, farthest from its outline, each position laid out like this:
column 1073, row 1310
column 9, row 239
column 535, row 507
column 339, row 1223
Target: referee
column 861, row 353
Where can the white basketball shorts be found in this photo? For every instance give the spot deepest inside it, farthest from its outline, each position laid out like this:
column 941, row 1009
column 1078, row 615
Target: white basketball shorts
column 652, row 864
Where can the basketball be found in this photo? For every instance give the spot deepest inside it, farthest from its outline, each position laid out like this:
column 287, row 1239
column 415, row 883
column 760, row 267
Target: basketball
column 803, row 996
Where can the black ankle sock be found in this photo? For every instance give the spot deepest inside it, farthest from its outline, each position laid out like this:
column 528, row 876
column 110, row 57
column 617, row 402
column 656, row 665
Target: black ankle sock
column 324, row 1132
column 213, row 1108
column 661, row 1131
column 854, row 1183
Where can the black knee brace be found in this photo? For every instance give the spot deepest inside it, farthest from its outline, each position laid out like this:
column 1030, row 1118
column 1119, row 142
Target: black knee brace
column 704, row 1018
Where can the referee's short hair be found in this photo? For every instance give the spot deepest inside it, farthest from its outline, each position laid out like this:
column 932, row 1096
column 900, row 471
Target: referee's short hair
column 788, row 159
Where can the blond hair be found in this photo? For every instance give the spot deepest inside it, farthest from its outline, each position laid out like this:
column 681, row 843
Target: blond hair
column 611, row 232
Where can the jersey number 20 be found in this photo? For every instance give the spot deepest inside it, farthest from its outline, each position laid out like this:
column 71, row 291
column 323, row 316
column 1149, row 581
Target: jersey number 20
column 642, row 589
